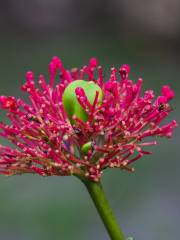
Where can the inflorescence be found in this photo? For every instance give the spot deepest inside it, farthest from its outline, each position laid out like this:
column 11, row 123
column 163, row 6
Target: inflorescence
column 48, row 143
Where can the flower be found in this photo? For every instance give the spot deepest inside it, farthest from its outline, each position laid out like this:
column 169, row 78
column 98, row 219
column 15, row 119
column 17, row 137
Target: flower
column 80, row 127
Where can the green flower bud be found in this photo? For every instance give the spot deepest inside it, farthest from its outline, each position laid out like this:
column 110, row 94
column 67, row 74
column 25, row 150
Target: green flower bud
column 70, row 102
column 86, row 147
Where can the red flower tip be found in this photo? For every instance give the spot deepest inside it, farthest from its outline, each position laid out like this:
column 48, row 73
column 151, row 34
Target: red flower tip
column 124, row 71
column 161, row 100
column 29, row 76
column 93, row 63
column 167, row 92
column 8, row 102
column 56, row 60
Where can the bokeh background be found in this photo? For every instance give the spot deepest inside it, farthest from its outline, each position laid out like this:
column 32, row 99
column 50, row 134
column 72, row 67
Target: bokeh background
column 144, row 34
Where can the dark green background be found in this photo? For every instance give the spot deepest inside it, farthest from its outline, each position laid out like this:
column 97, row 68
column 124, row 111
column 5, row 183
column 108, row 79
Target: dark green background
column 145, row 202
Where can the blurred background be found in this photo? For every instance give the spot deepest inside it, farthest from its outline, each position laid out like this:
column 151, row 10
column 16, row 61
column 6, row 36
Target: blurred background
column 144, row 34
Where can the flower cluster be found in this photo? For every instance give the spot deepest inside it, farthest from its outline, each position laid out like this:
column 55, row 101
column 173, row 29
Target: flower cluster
column 48, row 142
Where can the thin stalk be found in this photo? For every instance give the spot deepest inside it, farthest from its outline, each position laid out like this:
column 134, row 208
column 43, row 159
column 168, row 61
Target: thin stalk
column 99, row 198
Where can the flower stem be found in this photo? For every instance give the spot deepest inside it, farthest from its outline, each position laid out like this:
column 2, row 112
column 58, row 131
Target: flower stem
column 99, row 198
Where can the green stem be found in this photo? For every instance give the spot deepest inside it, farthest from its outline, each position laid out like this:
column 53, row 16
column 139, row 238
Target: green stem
column 99, row 198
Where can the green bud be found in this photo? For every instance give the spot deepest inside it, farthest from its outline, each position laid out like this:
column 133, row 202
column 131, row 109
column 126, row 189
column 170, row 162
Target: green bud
column 70, row 102
column 86, row 147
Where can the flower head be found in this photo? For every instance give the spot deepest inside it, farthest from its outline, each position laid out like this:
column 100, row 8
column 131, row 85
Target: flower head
column 81, row 127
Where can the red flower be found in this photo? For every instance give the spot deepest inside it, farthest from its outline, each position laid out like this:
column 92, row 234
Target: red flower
column 111, row 132
column 8, row 103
